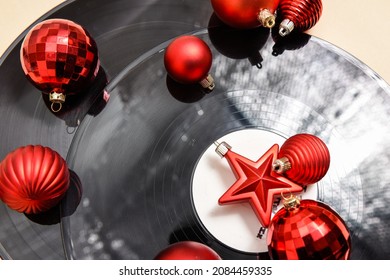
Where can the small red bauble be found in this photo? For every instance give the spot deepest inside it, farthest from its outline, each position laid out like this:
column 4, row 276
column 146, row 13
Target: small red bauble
column 303, row 158
column 300, row 15
column 246, row 14
column 59, row 57
column 33, row 179
column 188, row 60
column 188, row 250
column 308, row 229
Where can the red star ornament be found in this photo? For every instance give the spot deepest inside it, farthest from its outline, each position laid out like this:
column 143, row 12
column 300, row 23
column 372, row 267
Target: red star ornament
column 256, row 182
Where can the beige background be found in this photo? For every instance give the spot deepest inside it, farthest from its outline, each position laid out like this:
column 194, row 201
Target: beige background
column 361, row 27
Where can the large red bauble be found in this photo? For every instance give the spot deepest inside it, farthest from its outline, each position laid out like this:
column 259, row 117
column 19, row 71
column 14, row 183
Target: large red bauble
column 33, row 179
column 188, row 250
column 299, row 15
column 304, row 159
column 59, row 57
column 311, row 230
column 188, row 60
column 246, row 14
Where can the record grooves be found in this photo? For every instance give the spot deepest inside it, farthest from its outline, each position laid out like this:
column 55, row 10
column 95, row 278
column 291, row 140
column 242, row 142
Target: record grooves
column 136, row 155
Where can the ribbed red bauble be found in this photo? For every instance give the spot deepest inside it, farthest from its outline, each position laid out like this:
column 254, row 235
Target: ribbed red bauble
column 59, row 57
column 188, row 60
column 303, row 158
column 188, row 250
column 308, row 230
column 246, row 14
column 33, row 179
column 299, row 15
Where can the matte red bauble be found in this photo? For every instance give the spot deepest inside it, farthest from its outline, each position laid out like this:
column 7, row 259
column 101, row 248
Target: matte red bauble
column 303, row 158
column 188, row 60
column 33, row 179
column 188, row 250
column 246, row 14
column 59, row 57
column 299, row 15
column 308, row 230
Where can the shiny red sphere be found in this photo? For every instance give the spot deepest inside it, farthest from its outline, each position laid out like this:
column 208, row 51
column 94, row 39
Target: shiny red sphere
column 313, row 231
column 188, row 250
column 59, row 55
column 33, row 179
column 188, row 59
column 309, row 157
column 242, row 13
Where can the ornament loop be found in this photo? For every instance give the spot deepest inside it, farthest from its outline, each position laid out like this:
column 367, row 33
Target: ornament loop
column 54, row 105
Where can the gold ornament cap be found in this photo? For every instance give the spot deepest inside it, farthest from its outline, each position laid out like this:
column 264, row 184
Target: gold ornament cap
column 291, row 202
column 281, row 165
column 56, row 98
column 208, row 83
column 266, row 18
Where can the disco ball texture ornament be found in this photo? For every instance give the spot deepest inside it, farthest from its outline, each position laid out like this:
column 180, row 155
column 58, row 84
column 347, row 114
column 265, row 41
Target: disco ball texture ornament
column 246, row 14
column 308, row 230
column 299, row 15
column 303, row 158
column 188, row 60
column 188, row 250
column 59, row 58
column 33, row 179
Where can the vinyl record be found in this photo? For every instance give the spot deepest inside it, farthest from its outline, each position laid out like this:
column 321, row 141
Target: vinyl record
column 144, row 157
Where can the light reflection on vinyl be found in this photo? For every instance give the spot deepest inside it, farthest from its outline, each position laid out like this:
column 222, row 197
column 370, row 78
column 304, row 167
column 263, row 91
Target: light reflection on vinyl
column 136, row 156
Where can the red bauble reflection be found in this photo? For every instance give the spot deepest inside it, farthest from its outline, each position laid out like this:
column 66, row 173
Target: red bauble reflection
column 188, row 250
column 33, row 179
column 59, row 57
column 311, row 230
column 299, row 15
column 246, row 14
column 304, row 158
column 188, row 60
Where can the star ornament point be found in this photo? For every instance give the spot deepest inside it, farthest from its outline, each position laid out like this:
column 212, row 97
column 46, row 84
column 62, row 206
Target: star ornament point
column 257, row 183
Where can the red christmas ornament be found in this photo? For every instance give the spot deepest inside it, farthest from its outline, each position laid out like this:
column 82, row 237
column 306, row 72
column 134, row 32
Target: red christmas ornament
column 187, row 250
column 188, row 60
column 59, row 57
column 33, row 179
column 246, row 14
column 303, row 158
column 256, row 183
column 300, row 15
column 308, row 229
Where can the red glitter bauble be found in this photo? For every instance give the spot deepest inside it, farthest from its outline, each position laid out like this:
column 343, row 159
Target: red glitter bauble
column 188, row 60
column 303, row 158
column 59, row 57
column 246, row 14
column 188, row 250
column 299, row 15
column 306, row 231
column 33, row 179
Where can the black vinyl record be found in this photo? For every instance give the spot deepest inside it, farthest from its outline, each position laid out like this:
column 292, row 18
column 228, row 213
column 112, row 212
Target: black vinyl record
column 134, row 142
